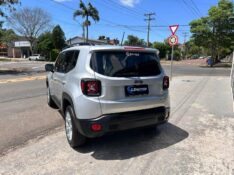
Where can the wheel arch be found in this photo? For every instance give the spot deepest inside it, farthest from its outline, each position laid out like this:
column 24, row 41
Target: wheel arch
column 66, row 101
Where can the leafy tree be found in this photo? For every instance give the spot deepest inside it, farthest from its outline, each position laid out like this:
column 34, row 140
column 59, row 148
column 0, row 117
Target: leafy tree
column 194, row 49
column 102, row 37
column 163, row 48
column 58, row 37
column 7, row 4
column 215, row 32
column 45, row 44
column 87, row 12
column 7, row 36
column 30, row 22
column 134, row 41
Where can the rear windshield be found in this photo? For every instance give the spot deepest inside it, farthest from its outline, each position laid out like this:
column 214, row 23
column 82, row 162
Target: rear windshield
column 125, row 64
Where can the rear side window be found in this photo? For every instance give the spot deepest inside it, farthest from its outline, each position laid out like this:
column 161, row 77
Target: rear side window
column 125, row 64
column 71, row 60
column 66, row 61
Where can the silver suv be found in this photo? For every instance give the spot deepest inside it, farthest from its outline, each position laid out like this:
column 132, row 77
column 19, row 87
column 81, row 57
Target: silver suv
column 101, row 89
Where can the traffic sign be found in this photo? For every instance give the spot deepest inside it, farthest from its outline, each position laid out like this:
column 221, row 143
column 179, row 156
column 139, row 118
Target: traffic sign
column 173, row 40
column 174, row 28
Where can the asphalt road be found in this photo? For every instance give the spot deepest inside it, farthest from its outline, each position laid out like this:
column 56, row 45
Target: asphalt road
column 190, row 70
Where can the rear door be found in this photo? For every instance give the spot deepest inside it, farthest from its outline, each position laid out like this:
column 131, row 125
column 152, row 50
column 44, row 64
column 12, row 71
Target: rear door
column 68, row 64
column 131, row 80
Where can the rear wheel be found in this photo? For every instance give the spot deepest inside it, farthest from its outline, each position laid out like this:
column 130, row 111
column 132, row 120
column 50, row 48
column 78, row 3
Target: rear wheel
column 74, row 137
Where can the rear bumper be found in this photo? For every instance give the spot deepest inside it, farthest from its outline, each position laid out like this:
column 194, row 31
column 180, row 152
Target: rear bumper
column 123, row 121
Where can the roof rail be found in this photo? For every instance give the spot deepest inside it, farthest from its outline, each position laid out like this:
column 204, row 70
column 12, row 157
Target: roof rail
column 79, row 44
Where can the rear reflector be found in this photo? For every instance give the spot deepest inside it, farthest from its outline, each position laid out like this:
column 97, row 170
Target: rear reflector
column 91, row 87
column 166, row 82
column 96, row 127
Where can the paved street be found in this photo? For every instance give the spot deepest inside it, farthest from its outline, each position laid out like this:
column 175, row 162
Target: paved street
column 196, row 140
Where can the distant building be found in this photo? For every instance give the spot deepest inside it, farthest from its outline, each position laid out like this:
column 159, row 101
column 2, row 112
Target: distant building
column 19, row 48
column 78, row 39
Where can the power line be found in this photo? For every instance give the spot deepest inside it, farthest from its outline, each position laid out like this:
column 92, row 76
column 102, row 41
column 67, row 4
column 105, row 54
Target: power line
column 117, row 10
column 149, row 19
column 191, row 9
column 196, row 7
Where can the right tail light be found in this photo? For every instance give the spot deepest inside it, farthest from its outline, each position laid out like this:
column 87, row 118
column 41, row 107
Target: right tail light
column 166, row 82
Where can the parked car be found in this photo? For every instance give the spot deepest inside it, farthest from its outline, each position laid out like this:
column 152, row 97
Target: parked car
column 102, row 89
column 36, row 57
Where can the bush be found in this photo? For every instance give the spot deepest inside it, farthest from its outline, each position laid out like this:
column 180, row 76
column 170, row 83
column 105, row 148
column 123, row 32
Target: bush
column 54, row 54
column 177, row 55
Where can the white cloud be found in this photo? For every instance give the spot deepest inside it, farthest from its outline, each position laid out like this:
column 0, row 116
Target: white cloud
column 129, row 3
column 62, row 0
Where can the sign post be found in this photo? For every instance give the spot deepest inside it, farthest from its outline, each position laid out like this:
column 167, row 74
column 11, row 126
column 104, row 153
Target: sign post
column 172, row 54
column 173, row 40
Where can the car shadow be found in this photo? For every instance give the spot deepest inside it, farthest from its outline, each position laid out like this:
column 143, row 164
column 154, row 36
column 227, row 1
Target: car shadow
column 133, row 143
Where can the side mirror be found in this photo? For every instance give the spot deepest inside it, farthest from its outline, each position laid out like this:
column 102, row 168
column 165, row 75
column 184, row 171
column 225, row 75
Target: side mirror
column 49, row 68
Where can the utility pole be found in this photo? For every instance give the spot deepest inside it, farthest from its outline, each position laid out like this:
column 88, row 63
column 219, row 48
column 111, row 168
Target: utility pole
column 149, row 19
column 185, row 50
column 122, row 38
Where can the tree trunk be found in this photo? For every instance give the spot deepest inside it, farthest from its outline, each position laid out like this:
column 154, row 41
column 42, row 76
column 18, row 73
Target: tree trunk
column 87, row 28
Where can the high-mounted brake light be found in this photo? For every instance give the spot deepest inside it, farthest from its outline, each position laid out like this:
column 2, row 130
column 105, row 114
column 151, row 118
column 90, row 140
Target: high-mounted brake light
column 134, row 48
column 166, row 82
column 91, row 87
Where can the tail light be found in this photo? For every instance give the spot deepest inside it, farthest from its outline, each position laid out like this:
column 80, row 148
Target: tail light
column 91, row 87
column 165, row 82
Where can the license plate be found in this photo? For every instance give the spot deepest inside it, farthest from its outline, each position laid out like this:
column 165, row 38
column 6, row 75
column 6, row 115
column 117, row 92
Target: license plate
column 136, row 90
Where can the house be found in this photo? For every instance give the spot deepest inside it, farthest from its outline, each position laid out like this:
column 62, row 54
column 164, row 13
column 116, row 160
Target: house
column 19, row 48
column 78, row 39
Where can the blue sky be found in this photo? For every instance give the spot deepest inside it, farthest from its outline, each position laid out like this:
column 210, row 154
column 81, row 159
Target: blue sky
column 118, row 16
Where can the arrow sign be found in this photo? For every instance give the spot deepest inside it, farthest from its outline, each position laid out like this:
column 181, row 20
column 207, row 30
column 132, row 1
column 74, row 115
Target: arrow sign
column 174, row 28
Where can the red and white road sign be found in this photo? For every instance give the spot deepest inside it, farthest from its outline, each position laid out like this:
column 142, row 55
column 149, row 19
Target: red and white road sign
column 173, row 40
column 173, row 29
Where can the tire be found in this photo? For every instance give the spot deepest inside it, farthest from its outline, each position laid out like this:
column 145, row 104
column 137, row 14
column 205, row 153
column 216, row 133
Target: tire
column 50, row 101
column 74, row 137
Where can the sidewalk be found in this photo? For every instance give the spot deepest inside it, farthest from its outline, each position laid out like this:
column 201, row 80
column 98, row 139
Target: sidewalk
column 198, row 140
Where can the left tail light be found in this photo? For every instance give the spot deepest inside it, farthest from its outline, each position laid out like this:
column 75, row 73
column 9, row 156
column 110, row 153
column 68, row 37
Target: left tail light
column 91, row 87
column 166, row 82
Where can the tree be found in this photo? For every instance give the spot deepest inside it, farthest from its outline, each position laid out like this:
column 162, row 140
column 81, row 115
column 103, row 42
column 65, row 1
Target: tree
column 45, row 44
column 102, row 37
column 134, row 41
column 7, row 36
column 215, row 32
column 86, row 12
column 58, row 38
column 8, row 4
column 30, row 22
column 163, row 48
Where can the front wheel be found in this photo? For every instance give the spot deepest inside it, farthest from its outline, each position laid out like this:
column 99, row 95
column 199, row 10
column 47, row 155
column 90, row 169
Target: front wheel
column 74, row 137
